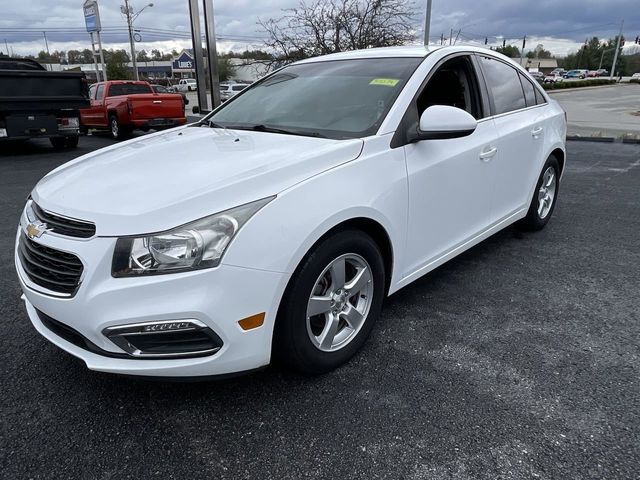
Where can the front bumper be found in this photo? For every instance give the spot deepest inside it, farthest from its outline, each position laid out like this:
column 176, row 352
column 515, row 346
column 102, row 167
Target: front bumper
column 218, row 297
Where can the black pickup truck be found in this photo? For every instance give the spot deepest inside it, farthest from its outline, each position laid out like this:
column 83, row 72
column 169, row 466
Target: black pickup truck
column 36, row 103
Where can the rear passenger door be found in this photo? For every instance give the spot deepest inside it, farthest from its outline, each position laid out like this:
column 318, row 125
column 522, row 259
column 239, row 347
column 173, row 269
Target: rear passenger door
column 518, row 113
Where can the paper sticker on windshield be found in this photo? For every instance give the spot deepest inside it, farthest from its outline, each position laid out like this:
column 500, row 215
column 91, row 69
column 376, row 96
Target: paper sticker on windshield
column 387, row 82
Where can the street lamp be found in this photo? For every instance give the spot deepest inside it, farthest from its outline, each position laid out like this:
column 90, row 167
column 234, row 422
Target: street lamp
column 127, row 10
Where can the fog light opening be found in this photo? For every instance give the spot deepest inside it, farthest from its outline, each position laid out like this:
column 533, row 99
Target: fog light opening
column 165, row 339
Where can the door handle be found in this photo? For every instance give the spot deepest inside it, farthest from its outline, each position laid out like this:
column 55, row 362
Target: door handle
column 536, row 132
column 488, row 154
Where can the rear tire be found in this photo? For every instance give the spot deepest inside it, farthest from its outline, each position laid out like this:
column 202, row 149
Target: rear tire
column 72, row 142
column 118, row 131
column 544, row 198
column 331, row 303
column 58, row 142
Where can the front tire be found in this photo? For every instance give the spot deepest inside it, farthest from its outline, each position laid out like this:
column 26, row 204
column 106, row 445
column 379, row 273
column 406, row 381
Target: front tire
column 544, row 198
column 331, row 303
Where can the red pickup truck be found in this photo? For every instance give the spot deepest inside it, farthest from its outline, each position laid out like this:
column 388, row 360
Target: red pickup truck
column 122, row 106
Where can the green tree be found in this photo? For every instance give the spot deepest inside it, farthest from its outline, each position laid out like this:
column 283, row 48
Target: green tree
column 509, row 50
column 594, row 53
column 142, row 56
column 156, row 55
column 539, row 52
column 117, row 68
column 225, row 69
column 87, row 56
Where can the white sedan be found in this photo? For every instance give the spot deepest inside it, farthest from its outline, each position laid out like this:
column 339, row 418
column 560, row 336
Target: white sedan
column 278, row 224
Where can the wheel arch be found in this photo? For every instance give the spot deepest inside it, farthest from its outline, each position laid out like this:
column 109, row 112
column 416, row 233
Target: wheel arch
column 375, row 230
column 560, row 156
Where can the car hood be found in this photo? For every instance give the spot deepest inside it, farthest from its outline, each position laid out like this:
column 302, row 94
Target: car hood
column 164, row 180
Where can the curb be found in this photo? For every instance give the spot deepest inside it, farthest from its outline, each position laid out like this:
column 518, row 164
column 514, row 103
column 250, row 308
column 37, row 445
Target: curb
column 561, row 90
column 591, row 139
column 633, row 141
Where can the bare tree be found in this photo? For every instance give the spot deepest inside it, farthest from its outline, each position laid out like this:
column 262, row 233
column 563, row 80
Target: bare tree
column 329, row 26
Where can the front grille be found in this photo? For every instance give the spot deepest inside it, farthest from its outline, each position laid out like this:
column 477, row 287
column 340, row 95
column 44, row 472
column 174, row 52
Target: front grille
column 63, row 225
column 50, row 268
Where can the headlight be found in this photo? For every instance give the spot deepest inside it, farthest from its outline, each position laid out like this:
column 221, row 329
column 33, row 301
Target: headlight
column 193, row 246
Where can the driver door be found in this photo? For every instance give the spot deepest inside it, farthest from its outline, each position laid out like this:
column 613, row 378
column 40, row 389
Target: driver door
column 450, row 181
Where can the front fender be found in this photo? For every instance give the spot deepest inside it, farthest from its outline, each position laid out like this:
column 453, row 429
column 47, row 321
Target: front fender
column 374, row 187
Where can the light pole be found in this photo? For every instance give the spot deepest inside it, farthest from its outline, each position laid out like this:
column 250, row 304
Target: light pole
column 127, row 10
column 427, row 23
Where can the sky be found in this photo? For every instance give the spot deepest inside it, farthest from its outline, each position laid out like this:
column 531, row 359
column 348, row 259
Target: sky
column 560, row 25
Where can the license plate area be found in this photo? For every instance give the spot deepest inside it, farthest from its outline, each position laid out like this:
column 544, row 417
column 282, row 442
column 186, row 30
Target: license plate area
column 31, row 125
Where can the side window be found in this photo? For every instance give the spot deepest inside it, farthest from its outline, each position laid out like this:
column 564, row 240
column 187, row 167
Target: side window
column 504, row 85
column 529, row 91
column 92, row 92
column 100, row 93
column 454, row 84
column 540, row 100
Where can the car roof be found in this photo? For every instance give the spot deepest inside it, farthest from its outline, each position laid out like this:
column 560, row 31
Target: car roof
column 409, row 51
column 380, row 52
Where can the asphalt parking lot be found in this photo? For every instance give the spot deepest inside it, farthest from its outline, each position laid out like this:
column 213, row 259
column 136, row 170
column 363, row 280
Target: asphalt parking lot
column 519, row 359
column 602, row 111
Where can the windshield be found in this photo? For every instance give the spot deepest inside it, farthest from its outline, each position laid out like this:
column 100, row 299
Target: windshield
column 335, row 99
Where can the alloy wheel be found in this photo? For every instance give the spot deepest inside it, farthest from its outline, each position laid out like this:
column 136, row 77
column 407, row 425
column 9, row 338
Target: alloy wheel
column 114, row 127
column 547, row 192
column 340, row 302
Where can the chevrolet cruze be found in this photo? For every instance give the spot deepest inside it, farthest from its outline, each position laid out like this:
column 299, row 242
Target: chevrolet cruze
column 276, row 225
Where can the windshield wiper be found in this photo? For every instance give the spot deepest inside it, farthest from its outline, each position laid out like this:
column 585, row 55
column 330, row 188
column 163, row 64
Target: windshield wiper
column 264, row 128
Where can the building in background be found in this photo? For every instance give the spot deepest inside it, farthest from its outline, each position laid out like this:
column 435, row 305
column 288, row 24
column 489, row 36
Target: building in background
column 171, row 71
column 544, row 65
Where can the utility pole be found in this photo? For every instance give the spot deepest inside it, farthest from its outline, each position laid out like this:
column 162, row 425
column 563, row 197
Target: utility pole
column 198, row 55
column 6, row 45
column 127, row 12
column 47, row 45
column 524, row 43
column 104, row 68
column 450, row 36
column 615, row 56
column 427, row 23
column 93, row 55
column 212, row 53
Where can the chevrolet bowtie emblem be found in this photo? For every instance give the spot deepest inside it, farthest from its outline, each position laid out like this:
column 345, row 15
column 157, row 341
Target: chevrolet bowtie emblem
column 35, row 230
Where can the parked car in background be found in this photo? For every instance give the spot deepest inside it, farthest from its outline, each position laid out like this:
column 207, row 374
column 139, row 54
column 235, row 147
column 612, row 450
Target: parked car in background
column 121, row 106
column 229, row 90
column 602, row 72
column 576, row 74
column 277, row 225
column 186, row 85
column 636, row 76
column 592, row 73
column 163, row 89
column 36, row 103
column 553, row 78
column 558, row 71
column 539, row 76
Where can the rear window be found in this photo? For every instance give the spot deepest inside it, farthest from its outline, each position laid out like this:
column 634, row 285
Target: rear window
column 128, row 89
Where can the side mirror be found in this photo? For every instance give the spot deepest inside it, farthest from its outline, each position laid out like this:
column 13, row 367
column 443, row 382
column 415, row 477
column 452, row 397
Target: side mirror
column 440, row 122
